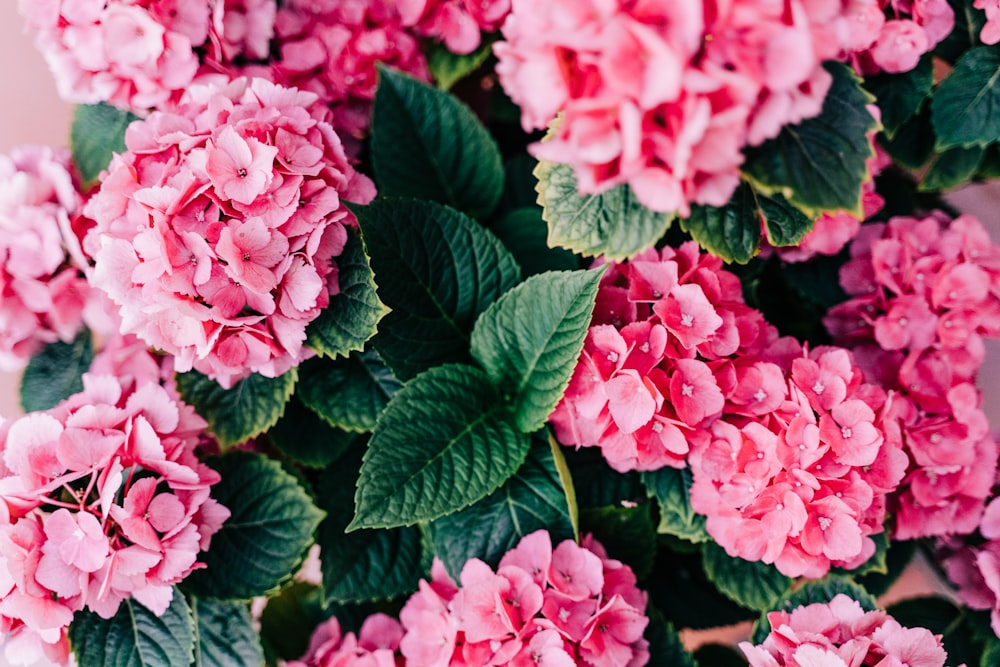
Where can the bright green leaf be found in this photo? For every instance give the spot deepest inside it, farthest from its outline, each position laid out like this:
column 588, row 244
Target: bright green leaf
column 347, row 393
column 628, row 533
column 55, row 373
column 965, row 108
column 437, row 269
column 731, row 232
column 262, row 543
column 819, row 164
column 444, row 442
column 365, row 564
column 533, row 499
column 953, row 168
column 613, row 223
column 899, row 96
column 353, row 314
column 449, row 68
column 303, row 437
column 225, row 635
column 672, row 489
column 98, row 131
column 524, row 233
column 754, row 585
column 135, row 636
column 235, row 415
column 530, row 339
column 427, row 144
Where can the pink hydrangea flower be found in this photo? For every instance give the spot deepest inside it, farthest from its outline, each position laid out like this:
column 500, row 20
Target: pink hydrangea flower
column 841, row 633
column 376, row 645
column 895, row 44
column 542, row 606
column 990, row 33
column 457, row 23
column 44, row 294
column 103, row 499
column 665, row 96
column 922, row 302
column 217, row 232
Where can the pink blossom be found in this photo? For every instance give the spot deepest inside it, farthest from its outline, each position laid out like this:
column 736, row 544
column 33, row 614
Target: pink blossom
column 991, row 31
column 376, row 645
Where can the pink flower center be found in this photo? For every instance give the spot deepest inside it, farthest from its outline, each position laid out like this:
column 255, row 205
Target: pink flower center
column 687, row 319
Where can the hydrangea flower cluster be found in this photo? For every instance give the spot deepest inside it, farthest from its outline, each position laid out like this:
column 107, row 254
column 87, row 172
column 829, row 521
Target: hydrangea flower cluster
column 103, row 500
column 331, row 48
column 975, row 570
column 841, row 633
column 559, row 607
column 376, row 645
column 217, row 232
column 457, row 23
column 665, row 95
column 790, row 451
column 43, row 291
column 924, row 297
column 892, row 35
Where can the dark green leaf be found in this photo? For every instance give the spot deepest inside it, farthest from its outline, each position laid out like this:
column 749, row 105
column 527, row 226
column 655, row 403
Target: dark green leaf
column 365, row 564
column 427, row 144
column 822, row 590
column 533, row 499
column 672, row 489
column 914, row 141
column 784, row 224
column 613, row 223
column 597, row 484
column 628, row 533
column 819, row 164
column 731, row 232
column 991, row 653
column 754, row 585
column 530, row 339
column 235, row 415
column 965, row 108
column 437, row 270
column 665, row 646
column 524, row 233
column 98, row 131
column 348, row 393
column 952, row 168
column 55, row 373
column 354, row 313
column 135, row 636
column 519, row 184
column 719, row 655
column 289, row 619
column 444, row 442
column 681, row 590
column 449, row 68
column 225, row 635
column 265, row 539
column 303, row 437
column 899, row 96
column 969, row 23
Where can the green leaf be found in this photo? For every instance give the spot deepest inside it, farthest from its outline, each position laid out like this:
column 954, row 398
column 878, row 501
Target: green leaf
column 991, row 653
column 353, row 314
column 135, row 636
column 253, row 405
column 365, row 564
column 965, row 108
column 444, row 442
column 899, row 96
column 913, row 142
column 288, row 621
column 55, row 373
column 952, row 168
column 437, row 269
column 597, row 484
column 533, row 499
column 348, row 393
column 731, row 232
column 822, row 590
column 784, row 224
column 519, row 183
column 754, row 585
column 719, row 655
column 225, row 635
column 265, row 539
column 524, row 233
column 530, row 339
column 969, row 22
column 98, row 131
column 427, row 144
column 449, row 68
column 628, row 533
column 877, row 564
column 303, row 437
column 895, row 557
column 672, row 489
column 819, row 164
column 613, row 223
column 665, row 645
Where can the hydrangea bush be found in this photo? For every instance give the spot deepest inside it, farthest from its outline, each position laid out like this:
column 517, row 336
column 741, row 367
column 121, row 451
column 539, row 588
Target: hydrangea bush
column 432, row 333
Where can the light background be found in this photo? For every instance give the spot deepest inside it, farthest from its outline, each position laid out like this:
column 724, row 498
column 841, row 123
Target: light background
column 31, row 112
